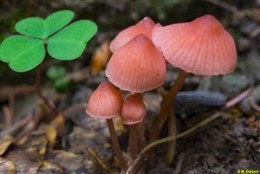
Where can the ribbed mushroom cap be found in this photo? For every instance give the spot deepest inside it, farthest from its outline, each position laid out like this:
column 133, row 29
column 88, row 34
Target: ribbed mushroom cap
column 133, row 109
column 105, row 102
column 144, row 27
column 201, row 47
column 137, row 66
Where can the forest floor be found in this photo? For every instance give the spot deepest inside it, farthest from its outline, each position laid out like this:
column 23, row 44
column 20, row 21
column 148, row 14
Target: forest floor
column 35, row 140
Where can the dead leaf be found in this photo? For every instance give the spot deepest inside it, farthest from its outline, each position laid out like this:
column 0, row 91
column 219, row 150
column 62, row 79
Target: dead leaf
column 5, row 143
column 25, row 161
column 68, row 160
column 7, row 167
column 36, row 142
column 51, row 135
column 59, row 123
column 48, row 167
column 100, row 57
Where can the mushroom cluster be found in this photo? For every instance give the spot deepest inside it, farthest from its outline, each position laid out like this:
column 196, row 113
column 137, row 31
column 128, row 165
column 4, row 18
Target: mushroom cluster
column 138, row 64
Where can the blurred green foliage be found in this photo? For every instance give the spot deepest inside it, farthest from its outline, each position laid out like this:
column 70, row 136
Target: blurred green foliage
column 57, row 76
column 161, row 7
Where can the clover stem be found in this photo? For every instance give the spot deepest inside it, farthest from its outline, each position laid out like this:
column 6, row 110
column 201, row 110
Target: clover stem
column 133, row 140
column 115, row 144
column 38, row 90
column 166, row 103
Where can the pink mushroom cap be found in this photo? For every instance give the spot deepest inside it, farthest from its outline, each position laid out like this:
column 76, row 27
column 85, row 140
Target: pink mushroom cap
column 133, row 109
column 137, row 66
column 144, row 27
column 105, row 102
column 201, row 47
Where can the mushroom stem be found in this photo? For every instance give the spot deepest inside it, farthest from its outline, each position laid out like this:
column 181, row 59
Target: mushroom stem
column 166, row 103
column 170, row 153
column 115, row 144
column 133, row 140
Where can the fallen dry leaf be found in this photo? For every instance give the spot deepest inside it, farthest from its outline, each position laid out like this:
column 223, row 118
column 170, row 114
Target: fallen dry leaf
column 25, row 161
column 100, row 57
column 7, row 167
column 48, row 167
column 5, row 143
column 51, row 135
column 36, row 142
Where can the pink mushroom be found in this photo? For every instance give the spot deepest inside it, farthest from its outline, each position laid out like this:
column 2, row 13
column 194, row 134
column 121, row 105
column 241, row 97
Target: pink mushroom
column 133, row 112
column 144, row 27
column 201, row 47
column 137, row 66
column 105, row 103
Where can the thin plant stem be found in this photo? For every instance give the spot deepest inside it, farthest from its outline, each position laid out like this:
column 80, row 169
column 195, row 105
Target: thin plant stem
column 238, row 98
column 172, row 129
column 166, row 103
column 115, row 144
column 38, row 90
column 133, row 140
column 134, row 166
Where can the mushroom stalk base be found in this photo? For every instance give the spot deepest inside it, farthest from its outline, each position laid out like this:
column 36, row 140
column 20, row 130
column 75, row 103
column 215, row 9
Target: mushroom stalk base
column 115, row 144
column 166, row 103
column 133, row 140
column 170, row 153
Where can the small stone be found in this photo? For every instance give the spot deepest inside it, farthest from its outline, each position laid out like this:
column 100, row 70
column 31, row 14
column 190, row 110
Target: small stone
column 197, row 101
column 232, row 84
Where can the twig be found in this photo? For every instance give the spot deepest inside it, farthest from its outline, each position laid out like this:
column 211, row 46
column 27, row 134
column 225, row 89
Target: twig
column 11, row 130
column 253, row 104
column 179, row 163
column 238, row 98
column 133, row 168
column 99, row 161
column 225, row 6
column 11, row 101
column 8, row 116
column 6, row 91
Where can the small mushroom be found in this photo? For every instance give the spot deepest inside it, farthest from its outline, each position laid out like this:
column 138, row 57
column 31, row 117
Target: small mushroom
column 144, row 27
column 133, row 109
column 105, row 103
column 132, row 113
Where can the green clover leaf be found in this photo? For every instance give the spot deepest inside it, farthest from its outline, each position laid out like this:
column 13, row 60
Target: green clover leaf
column 33, row 27
column 64, row 42
column 40, row 28
column 22, row 53
column 69, row 43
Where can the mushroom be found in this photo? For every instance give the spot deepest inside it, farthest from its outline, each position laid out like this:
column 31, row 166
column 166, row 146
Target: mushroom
column 133, row 109
column 105, row 103
column 201, row 47
column 137, row 66
column 144, row 27
column 132, row 113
